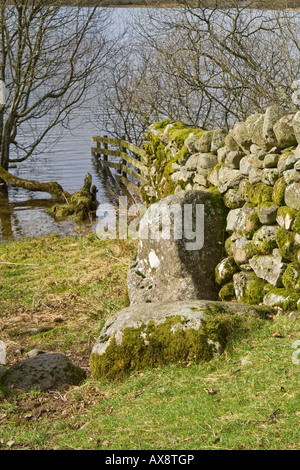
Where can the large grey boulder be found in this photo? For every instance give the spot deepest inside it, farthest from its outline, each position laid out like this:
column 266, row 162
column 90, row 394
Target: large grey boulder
column 42, row 372
column 149, row 335
column 179, row 248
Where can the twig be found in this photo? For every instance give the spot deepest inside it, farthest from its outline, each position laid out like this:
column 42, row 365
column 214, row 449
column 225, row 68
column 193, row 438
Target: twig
column 7, row 262
column 272, row 416
column 57, row 393
column 137, row 432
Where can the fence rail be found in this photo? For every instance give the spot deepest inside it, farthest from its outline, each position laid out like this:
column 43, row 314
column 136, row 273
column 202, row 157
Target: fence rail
column 139, row 170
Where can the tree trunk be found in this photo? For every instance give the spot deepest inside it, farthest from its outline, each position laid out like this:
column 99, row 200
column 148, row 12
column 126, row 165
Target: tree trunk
column 57, row 192
column 5, row 142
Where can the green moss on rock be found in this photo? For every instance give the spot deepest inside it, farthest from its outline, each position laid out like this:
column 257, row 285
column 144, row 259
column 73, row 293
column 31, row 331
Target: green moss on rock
column 225, row 270
column 227, row 292
column 260, row 193
column 291, row 277
column 154, row 345
column 278, row 192
column 161, row 124
column 282, row 297
column 287, row 245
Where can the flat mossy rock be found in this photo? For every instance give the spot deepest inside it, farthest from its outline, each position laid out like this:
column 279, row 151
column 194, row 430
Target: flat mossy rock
column 151, row 335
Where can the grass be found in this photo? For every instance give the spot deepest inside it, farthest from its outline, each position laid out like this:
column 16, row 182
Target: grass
column 248, row 398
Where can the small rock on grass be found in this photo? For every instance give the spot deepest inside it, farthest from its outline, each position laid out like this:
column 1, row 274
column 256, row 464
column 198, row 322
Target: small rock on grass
column 43, row 372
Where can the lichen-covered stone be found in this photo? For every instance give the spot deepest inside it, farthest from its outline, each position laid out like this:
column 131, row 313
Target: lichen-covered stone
column 191, row 164
column 285, row 217
column 203, row 145
column 281, row 297
column 257, row 160
column 279, row 192
column 267, row 214
column 270, row 176
column 288, row 244
column 232, row 199
column 255, row 175
column 225, row 270
column 231, row 143
column 245, row 165
column 207, row 160
column 291, row 176
column 254, row 125
column 248, row 287
column 233, row 159
column 272, row 115
column 228, row 178
column 241, row 136
column 227, row 292
column 292, row 196
column 247, row 222
column 284, row 131
column 270, row 268
column 232, row 218
column 174, row 264
column 218, row 139
column 150, row 335
column 296, row 126
column 291, row 277
column 286, row 162
column 241, row 250
column 271, row 160
column 264, row 240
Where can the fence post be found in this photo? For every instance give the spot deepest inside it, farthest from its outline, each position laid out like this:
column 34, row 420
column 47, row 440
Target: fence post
column 105, row 146
column 98, row 153
column 124, row 173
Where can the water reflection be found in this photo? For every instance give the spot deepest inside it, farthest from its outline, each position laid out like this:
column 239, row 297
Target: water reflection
column 23, row 213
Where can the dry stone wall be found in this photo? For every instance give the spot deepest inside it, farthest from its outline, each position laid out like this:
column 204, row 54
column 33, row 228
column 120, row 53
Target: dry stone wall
column 255, row 167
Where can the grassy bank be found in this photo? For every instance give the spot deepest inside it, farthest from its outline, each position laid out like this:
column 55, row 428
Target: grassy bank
column 248, row 398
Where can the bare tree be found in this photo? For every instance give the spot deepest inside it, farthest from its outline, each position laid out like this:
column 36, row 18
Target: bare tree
column 209, row 63
column 50, row 58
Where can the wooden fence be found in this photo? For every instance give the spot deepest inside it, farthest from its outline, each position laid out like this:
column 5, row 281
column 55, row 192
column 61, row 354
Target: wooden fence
column 126, row 154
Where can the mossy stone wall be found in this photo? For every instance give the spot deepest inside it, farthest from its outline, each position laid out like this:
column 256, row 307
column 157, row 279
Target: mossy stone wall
column 259, row 182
